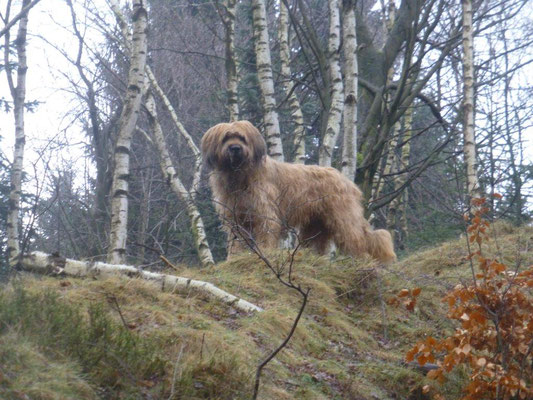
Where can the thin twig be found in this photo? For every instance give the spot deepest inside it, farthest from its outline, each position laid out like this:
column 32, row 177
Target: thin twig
column 305, row 295
column 113, row 298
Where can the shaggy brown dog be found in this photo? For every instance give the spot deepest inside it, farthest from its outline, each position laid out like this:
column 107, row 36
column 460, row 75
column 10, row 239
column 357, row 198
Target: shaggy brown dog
column 259, row 198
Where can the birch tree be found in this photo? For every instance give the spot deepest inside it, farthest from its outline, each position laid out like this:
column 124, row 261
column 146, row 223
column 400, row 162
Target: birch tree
column 186, row 195
column 351, row 72
column 389, row 163
column 389, row 14
column 336, row 105
column 472, row 182
column 227, row 12
column 167, row 167
column 397, row 206
column 288, row 86
column 18, row 93
column 127, row 123
column 52, row 264
column 23, row 13
column 266, row 83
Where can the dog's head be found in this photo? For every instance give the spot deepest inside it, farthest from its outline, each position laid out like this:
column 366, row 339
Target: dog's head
column 233, row 146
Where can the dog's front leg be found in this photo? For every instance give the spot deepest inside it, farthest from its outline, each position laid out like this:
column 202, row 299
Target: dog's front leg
column 268, row 233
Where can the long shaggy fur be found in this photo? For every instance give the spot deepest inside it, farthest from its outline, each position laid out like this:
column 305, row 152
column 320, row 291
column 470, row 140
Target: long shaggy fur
column 261, row 198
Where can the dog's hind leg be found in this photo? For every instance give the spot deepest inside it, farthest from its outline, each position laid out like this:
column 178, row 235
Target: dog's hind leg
column 355, row 236
column 350, row 231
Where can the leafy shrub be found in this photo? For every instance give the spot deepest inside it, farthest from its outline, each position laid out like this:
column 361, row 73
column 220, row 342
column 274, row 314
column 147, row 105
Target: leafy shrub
column 494, row 339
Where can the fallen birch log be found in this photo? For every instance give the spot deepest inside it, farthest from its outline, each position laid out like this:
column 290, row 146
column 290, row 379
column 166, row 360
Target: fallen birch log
column 56, row 265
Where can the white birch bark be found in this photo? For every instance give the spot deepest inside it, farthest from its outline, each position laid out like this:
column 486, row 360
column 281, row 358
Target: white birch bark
column 335, row 109
column 351, row 75
column 167, row 167
column 181, row 130
column 127, row 122
column 9, row 22
column 393, row 142
column 472, row 182
column 288, row 86
column 18, row 93
column 188, row 196
column 395, row 205
column 389, row 162
column 49, row 264
column 231, row 59
column 266, row 83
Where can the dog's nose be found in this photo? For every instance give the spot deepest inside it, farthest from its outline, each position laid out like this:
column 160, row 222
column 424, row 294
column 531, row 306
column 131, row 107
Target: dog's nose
column 235, row 149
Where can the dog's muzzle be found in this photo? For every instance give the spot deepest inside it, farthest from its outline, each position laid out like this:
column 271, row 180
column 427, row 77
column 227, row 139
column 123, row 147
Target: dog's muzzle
column 236, row 155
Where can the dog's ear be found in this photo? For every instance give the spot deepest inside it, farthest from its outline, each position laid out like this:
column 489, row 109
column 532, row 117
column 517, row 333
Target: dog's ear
column 210, row 142
column 257, row 142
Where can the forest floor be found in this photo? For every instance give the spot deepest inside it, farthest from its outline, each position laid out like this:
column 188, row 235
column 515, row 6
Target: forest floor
column 123, row 338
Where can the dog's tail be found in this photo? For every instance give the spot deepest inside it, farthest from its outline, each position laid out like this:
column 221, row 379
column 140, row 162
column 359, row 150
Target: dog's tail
column 380, row 246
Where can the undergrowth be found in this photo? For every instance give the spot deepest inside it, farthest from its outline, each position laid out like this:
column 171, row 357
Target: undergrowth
column 110, row 354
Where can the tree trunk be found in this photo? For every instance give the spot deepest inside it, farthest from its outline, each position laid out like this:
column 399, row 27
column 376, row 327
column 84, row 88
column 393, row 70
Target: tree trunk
column 266, row 83
column 288, row 86
column 188, row 196
column 335, row 109
column 50, row 264
column 517, row 200
column 397, row 206
column 351, row 73
column 227, row 14
column 128, row 120
column 472, row 183
column 389, row 163
column 182, row 131
column 167, row 167
column 231, row 62
column 18, row 93
column 377, row 187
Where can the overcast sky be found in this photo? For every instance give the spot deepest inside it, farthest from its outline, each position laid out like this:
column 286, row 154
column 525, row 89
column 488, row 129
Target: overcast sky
column 51, row 125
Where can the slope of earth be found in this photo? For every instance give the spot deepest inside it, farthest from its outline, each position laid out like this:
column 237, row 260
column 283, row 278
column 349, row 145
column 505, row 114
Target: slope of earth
column 123, row 338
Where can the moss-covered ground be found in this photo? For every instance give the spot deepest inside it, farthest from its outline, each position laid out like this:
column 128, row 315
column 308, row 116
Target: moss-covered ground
column 123, row 338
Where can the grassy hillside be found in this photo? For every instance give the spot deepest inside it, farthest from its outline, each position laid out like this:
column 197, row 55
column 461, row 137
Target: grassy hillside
column 123, row 338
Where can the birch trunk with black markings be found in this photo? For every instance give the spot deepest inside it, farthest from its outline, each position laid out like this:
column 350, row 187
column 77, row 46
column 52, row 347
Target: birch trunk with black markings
column 336, row 106
column 186, row 195
column 266, row 82
column 472, row 181
column 228, row 18
column 127, row 123
column 18, row 93
column 288, row 86
column 167, row 167
column 397, row 206
column 55, row 265
column 351, row 74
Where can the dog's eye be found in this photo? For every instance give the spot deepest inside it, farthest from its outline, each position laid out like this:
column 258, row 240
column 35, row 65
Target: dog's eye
column 233, row 135
column 226, row 138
